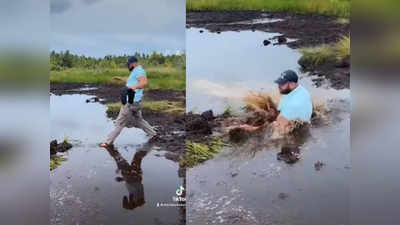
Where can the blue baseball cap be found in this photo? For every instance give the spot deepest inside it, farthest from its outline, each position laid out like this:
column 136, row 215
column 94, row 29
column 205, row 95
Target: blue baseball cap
column 287, row 76
column 131, row 59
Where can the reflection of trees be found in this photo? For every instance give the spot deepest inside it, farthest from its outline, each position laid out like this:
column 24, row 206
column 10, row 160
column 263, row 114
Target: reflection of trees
column 131, row 174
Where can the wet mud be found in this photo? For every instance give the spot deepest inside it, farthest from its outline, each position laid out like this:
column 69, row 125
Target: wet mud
column 59, row 147
column 307, row 29
column 304, row 30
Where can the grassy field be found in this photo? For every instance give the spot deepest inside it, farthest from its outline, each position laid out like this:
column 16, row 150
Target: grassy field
column 158, row 77
column 315, row 56
column 339, row 8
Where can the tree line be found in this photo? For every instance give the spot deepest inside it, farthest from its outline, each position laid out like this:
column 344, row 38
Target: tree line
column 65, row 59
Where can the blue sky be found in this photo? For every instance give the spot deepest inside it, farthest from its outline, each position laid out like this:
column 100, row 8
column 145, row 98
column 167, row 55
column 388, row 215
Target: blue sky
column 103, row 27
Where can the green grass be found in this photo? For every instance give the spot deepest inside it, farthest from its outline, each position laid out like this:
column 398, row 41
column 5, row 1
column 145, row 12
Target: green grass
column 158, row 77
column 315, row 56
column 56, row 161
column 159, row 106
column 227, row 112
column 340, row 8
column 343, row 21
column 197, row 152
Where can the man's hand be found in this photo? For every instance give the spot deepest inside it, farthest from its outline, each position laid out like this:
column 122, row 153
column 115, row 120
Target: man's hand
column 249, row 128
column 117, row 78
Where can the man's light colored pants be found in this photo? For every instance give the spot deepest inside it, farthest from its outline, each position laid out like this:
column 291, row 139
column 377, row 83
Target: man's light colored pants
column 130, row 115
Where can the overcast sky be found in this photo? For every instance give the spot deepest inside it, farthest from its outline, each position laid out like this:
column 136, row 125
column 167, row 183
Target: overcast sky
column 102, row 27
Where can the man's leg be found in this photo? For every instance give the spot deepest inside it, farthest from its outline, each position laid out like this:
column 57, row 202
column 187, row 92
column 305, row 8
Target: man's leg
column 114, row 134
column 139, row 122
column 124, row 113
column 144, row 125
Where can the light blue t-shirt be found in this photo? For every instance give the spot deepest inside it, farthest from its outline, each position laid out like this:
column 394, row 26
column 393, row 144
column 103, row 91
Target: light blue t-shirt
column 296, row 105
column 133, row 80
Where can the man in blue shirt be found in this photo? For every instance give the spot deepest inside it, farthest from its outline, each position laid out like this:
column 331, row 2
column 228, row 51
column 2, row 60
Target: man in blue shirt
column 296, row 103
column 130, row 115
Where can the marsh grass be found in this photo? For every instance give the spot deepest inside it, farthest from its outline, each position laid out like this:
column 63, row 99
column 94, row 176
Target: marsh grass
column 315, row 56
column 197, row 153
column 261, row 101
column 56, row 161
column 340, row 8
column 167, row 78
column 343, row 21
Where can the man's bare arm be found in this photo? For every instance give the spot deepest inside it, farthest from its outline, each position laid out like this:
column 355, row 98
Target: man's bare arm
column 142, row 83
column 124, row 79
column 250, row 128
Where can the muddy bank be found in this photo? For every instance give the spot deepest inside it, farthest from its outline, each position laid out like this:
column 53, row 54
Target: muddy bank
column 110, row 93
column 59, row 147
column 170, row 126
column 298, row 30
column 308, row 30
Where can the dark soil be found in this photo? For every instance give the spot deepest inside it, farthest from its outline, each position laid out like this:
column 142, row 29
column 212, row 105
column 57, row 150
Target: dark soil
column 170, row 127
column 289, row 155
column 199, row 127
column 111, row 93
column 238, row 135
column 307, row 29
column 59, row 147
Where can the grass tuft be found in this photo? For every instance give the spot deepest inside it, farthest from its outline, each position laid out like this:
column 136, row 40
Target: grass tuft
column 55, row 161
column 197, row 153
column 256, row 101
column 316, row 56
column 342, row 48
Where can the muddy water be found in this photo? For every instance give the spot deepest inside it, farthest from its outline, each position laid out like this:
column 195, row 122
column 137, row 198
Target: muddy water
column 96, row 186
column 246, row 184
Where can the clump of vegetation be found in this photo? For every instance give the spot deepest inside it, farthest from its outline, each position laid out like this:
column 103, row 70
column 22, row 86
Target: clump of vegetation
column 56, row 161
column 158, row 106
column 339, row 8
column 320, row 114
column 164, row 106
column 227, row 112
column 261, row 101
column 197, row 152
column 343, row 21
column 342, row 48
column 319, row 55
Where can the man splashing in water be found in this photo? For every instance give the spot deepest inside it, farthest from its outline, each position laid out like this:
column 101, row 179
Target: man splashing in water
column 295, row 105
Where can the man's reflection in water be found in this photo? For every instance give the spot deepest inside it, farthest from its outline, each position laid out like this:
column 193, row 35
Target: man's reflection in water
column 292, row 143
column 131, row 175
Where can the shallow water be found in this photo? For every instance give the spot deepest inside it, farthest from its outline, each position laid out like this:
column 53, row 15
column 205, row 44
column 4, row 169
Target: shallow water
column 84, row 189
column 247, row 184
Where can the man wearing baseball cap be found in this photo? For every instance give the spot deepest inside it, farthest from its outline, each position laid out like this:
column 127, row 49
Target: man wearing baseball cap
column 296, row 103
column 130, row 115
